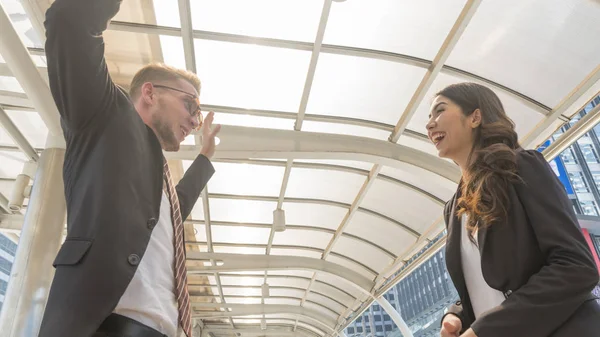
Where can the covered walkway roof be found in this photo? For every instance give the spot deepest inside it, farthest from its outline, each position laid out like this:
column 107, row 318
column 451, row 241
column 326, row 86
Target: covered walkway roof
column 324, row 105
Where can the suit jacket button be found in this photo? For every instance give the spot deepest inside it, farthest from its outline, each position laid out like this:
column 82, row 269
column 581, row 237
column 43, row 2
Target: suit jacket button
column 133, row 259
column 151, row 223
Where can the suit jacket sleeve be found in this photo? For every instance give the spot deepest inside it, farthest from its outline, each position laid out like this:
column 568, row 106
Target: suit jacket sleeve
column 193, row 182
column 79, row 80
column 569, row 274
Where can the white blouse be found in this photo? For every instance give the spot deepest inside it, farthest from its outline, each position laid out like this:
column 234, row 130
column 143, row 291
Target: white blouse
column 482, row 296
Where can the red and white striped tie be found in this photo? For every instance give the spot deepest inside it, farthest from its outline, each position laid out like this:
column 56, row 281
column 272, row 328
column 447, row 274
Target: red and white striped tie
column 181, row 289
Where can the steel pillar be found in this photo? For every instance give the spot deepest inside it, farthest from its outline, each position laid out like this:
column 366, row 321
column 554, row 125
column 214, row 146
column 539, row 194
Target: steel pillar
column 32, row 271
column 395, row 315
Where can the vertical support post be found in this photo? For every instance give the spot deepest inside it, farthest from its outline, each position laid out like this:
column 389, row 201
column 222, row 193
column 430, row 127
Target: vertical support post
column 395, row 316
column 32, row 271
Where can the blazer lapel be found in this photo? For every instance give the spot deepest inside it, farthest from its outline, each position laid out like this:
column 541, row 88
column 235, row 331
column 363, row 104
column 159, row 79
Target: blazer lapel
column 453, row 255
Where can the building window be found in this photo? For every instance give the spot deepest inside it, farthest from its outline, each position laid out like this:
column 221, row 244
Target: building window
column 596, row 177
column 379, row 328
column 568, row 157
column 589, row 207
column 578, row 182
column 359, row 329
column 388, row 328
column 350, row 330
column 3, row 286
column 589, row 154
column 378, row 318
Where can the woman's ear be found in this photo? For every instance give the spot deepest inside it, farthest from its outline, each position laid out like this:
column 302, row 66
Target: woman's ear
column 475, row 119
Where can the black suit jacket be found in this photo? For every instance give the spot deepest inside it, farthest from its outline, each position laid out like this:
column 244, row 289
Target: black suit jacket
column 537, row 257
column 113, row 173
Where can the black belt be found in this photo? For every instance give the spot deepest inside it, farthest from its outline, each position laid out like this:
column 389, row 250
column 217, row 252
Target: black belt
column 127, row 327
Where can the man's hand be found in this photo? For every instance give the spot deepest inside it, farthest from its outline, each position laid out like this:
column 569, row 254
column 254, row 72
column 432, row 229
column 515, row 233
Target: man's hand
column 451, row 326
column 208, row 136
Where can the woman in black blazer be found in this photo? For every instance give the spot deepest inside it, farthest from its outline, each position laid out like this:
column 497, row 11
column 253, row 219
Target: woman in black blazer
column 514, row 251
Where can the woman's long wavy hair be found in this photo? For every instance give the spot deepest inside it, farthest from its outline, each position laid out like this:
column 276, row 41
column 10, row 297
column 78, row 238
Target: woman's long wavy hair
column 492, row 167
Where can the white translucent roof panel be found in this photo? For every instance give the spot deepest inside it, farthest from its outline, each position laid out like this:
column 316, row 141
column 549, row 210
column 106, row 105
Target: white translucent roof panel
column 288, row 282
column 251, row 76
column 289, row 20
column 197, row 211
column 349, row 86
column 418, row 144
column 31, row 126
column 425, row 180
column 241, row 281
column 524, row 116
column 286, row 292
column 253, row 121
column 366, row 254
column 245, row 211
column 172, row 51
column 384, row 197
column 5, row 138
column 326, row 301
column 246, row 291
column 382, row 232
column 240, row 234
column 12, row 163
column 6, row 187
column 322, row 311
column 243, row 300
column 21, row 22
column 9, row 83
column 342, row 129
column 238, row 250
column 352, row 264
column 341, row 295
column 376, row 24
column 246, row 179
column 308, row 238
column 314, row 215
column 323, row 184
column 541, row 48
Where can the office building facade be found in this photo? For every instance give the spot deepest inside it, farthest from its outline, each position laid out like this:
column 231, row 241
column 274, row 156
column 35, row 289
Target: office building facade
column 8, row 250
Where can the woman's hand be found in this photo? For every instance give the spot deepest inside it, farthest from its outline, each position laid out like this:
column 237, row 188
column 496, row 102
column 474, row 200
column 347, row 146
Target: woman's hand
column 469, row 333
column 451, row 326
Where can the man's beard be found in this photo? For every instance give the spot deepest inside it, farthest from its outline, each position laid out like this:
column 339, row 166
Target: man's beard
column 165, row 135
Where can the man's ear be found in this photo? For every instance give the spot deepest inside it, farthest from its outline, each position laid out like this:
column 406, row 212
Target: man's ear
column 476, row 118
column 147, row 93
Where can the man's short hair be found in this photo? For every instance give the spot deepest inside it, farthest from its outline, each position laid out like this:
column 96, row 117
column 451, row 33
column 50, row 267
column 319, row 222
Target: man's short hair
column 160, row 72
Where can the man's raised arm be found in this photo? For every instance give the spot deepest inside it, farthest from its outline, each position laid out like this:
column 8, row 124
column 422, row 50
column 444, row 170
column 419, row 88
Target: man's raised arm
column 79, row 79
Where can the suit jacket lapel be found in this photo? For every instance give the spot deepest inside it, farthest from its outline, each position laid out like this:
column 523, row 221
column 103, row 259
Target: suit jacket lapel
column 453, row 255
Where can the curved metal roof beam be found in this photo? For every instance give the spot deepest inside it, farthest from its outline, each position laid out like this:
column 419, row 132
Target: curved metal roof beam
column 239, row 310
column 254, row 262
column 239, row 142
column 260, row 332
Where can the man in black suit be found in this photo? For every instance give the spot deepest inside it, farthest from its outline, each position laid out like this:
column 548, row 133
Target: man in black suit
column 121, row 270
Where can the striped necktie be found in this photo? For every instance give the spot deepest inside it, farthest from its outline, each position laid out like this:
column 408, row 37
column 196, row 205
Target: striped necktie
column 181, row 290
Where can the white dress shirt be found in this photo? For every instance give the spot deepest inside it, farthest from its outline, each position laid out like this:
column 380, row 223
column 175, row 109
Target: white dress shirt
column 150, row 296
column 482, row 296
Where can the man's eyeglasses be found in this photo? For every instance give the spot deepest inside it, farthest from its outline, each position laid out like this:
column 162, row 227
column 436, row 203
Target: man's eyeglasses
column 193, row 106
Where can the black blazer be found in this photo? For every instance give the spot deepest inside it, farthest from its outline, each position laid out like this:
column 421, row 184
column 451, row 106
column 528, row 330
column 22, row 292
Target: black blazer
column 537, row 257
column 113, row 173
